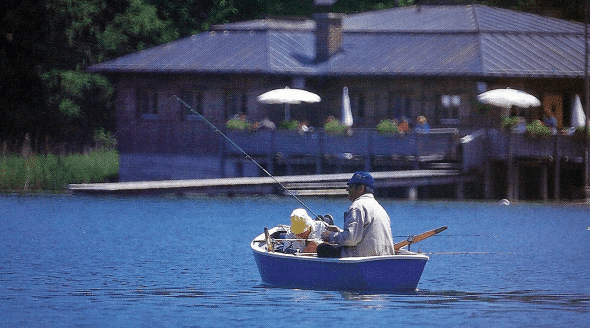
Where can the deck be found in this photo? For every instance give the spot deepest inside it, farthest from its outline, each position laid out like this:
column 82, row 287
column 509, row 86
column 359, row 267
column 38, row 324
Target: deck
column 300, row 185
column 284, row 152
column 508, row 165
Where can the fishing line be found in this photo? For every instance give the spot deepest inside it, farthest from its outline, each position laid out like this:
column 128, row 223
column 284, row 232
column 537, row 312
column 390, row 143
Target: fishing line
column 469, row 235
column 244, row 153
column 455, row 235
column 471, row 253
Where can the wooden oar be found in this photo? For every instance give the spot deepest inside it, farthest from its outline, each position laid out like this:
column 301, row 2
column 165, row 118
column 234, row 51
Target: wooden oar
column 269, row 242
column 415, row 239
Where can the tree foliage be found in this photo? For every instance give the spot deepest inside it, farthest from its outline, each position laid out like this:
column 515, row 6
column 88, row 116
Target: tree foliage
column 46, row 45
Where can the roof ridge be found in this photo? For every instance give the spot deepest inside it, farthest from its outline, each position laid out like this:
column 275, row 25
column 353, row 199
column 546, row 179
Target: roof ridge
column 267, row 57
column 474, row 15
column 480, row 52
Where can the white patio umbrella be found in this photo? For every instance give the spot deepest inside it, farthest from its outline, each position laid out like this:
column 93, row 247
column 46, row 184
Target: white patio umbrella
column 507, row 98
column 346, row 111
column 578, row 116
column 288, row 96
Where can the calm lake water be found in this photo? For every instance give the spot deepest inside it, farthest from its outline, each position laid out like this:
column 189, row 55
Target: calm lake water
column 186, row 262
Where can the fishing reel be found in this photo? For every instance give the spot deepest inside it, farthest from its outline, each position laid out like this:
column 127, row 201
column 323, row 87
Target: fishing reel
column 410, row 240
column 326, row 218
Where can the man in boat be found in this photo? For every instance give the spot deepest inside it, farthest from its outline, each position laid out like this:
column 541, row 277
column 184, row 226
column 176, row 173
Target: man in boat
column 367, row 227
column 305, row 230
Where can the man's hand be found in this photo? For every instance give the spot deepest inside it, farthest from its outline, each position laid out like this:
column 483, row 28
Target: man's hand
column 326, row 235
column 311, row 247
column 332, row 228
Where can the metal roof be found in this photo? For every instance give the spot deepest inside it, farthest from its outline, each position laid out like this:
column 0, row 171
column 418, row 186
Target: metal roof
column 472, row 40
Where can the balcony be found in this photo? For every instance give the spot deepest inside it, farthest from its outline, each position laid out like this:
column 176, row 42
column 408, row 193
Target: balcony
column 329, row 153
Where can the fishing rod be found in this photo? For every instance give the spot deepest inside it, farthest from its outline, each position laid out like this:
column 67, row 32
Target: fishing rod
column 245, row 154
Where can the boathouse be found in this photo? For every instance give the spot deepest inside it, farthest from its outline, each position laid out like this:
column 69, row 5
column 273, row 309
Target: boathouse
column 402, row 62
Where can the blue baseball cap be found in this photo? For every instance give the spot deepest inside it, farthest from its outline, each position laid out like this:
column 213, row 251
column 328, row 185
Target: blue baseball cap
column 363, row 178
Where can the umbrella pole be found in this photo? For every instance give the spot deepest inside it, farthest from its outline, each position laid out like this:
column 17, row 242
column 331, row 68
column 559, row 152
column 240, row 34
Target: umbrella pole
column 287, row 112
column 586, row 106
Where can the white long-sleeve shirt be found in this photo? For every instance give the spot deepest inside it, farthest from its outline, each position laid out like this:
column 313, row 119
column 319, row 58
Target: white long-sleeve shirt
column 366, row 231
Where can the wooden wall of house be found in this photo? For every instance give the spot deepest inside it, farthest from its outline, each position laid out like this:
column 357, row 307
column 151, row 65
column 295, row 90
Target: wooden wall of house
column 446, row 102
column 170, row 130
column 375, row 98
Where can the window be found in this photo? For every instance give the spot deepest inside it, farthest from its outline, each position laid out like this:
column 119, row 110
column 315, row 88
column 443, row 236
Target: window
column 360, row 107
column 147, row 103
column 381, row 106
column 236, row 103
column 195, row 100
column 448, row 112
column 399, row 107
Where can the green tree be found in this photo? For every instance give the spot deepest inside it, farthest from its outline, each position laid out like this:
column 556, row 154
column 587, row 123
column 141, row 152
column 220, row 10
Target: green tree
column 135, row 29
column 81, row 100
column 22, row 104
column 187, row 17
column 45, row 48
column 564, row 9
column 232, row 10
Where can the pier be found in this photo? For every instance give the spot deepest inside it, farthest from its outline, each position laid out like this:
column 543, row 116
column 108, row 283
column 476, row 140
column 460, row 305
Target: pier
column 443, row 164
column 299, row 185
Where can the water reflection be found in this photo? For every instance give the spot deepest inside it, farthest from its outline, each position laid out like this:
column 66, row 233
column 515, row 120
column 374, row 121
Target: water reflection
column 573, row 301
column 138, row 292
column 426, row 298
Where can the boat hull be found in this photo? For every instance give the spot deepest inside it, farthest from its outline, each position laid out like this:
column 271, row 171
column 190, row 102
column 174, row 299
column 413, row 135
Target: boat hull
column 375, row 273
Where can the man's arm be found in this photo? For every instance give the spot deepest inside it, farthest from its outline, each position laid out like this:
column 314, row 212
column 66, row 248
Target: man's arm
column 352, row 233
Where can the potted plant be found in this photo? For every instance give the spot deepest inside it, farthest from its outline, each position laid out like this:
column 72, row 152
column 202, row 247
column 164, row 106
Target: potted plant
column 335, row 127
column 289, row 125
column 508, row 123
column 388, row 127
column 537, row 129
column 238, row 122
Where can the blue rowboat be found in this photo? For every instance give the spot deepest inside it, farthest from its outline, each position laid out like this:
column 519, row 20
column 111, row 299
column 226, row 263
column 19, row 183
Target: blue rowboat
column 400, row 272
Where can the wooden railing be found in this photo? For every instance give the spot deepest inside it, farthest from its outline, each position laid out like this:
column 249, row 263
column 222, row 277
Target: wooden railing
column 502, row 145
column 365, row 145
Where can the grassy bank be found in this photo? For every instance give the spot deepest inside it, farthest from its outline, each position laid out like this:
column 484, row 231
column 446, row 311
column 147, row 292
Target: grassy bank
column 54, row 173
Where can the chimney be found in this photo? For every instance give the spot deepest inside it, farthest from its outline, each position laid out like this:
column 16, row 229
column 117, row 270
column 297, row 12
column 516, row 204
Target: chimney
column 328, row 35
